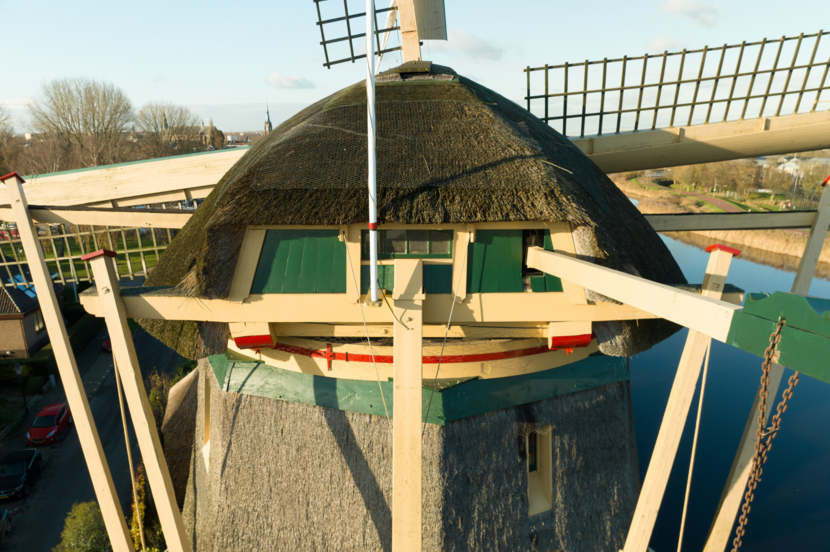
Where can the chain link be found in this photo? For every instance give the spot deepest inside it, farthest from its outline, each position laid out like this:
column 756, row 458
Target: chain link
column 763, row 437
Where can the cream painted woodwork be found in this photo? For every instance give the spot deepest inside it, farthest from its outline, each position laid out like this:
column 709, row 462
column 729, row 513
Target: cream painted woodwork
column 674, row 418
column 246, row 264
column 167, row 179
column 410, row 42
column 353, row 252
column 354, row 370
column 511, row 330
column 672, row 147
column 408, row 406
column 730, row 221
column 700, row 313
column 96, row 461
column 138, row 218
column 338, row 309
column 144, row 424
column 562, row 240
column 720, row 532
column 247, row 329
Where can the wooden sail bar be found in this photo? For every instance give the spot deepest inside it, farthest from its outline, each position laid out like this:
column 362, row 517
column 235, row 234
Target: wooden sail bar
column 805, row 339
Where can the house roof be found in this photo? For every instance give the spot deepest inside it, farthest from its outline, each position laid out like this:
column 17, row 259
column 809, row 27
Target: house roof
column 449, row 151
column 14, row 301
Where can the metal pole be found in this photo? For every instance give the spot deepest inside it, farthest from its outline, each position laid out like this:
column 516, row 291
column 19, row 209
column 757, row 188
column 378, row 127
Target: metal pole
column 373, row 184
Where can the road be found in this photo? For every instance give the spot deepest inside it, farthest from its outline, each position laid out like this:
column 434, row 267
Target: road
column 38, row 522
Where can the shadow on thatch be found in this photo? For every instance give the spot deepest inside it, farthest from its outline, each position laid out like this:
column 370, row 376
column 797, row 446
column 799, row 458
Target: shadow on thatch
column 178, row 428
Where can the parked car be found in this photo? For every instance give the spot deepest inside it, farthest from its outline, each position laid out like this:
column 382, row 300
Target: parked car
column 50, row 426
column 18, row 472
column 5, row 527
column 107, row 346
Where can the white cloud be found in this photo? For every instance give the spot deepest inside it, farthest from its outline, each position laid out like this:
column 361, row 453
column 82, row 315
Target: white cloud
column 698, row 12
column 159, row 78
column 462, row 42
column 660, row 43
column 278, row 80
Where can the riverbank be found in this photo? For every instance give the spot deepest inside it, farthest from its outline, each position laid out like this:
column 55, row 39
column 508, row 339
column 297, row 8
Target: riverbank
column 778, row 248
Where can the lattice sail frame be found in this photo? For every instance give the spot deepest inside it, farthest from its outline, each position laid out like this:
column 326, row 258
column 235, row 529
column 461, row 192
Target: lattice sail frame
column 138, row 250
column 669, row 96
column 350, row 37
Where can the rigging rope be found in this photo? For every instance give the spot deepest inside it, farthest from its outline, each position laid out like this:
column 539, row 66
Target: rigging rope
column 446, row 333
column 137, row 512
column 694, row 445
column 368, row 339
column 763, row 438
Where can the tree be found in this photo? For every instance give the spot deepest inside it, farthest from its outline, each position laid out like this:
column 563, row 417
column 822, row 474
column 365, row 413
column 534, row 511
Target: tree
column 169, row 129
column 84, row 530
column 9, row 146
column 90, row 116
column 218, row 140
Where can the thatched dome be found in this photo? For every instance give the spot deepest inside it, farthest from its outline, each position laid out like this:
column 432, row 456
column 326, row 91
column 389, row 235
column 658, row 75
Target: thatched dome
column 449, row 151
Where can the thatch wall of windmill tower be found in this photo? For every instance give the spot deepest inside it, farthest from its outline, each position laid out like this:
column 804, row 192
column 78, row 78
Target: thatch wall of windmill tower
column 289, row 476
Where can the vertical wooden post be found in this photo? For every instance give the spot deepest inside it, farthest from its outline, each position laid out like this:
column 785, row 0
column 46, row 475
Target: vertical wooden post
column 677, row 409
column 409, row 31
column 96, row 462
column 407, row 415
column 123, row 350
column 721, row 532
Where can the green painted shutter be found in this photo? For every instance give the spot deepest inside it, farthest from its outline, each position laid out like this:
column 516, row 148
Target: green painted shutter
column 438, row 278
column 301, row 261
column 495, row 262
column 552, row 283
column 386, row 278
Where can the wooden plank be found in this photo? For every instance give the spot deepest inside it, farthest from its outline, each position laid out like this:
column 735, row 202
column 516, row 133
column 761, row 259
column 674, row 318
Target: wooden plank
column 294, row 262
column 353, row 273
column 460, row 262
column 141, row 218
column 309, row 264
column 537, row 284
column 339, row 268
column 407, row 406
column 552, row 283
column 144, row 424
column 246, row 266
column 73, row 386
column 515, row 279
column 325, row 264
column 409, row 39
column 674, row 418
column 163, row 303
column 730, row 221
column 475, row 266
column 437, row 278
column 809, row 258
column 561, row 236
column 704, row 314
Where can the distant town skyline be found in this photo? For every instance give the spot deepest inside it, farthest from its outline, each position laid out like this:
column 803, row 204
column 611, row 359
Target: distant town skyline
column 206, row 57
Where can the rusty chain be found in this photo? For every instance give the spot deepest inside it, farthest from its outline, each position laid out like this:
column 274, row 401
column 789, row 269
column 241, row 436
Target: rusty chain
column 763, row 438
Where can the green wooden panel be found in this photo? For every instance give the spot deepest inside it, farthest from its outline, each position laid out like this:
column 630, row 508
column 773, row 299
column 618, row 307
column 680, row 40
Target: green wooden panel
column 811, row 314
column 308, row 264
column 490, row 270
column 475, row 266
column 537, row 284
column 468, row 398
column 301, row 261
column 386, row 278
column 438, row 278
column 552, row 283
column 325, row 265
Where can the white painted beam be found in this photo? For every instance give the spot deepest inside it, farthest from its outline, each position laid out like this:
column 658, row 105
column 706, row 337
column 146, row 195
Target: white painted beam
column 73, row 386
column 139, row 218
column 704, row 314
column 730, row 221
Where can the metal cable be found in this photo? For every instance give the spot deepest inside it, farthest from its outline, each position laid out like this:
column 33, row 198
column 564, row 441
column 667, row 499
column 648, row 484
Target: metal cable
column 368, row 339
column 694, row 446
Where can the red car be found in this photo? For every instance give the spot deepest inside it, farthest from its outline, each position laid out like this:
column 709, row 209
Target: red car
column 50, row 426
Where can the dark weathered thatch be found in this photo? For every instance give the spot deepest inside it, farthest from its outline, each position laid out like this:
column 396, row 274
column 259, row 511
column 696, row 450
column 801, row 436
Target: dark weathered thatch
column 178, row 427
column 449, row 151
column 288, row 476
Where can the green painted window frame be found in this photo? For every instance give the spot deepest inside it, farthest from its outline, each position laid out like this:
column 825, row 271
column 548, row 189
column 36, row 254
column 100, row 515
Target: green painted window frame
column 382, row 254
column 301, row 261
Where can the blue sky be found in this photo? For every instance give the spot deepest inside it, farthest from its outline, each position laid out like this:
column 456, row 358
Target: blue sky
column 225, row 59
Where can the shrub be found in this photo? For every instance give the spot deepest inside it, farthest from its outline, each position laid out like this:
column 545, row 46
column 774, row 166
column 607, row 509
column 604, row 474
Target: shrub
column 34, row 385
column 182, row 370
column 84, row 530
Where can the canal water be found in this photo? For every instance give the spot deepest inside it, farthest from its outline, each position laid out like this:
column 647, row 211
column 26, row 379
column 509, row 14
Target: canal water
column 791, row 510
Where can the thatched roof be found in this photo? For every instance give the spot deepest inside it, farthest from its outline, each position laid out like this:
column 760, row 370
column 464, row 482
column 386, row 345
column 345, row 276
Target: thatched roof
column 449, row 151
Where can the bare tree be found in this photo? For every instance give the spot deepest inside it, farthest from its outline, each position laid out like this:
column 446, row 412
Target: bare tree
column 169, row 129
column 9, row 146
column 88, row 115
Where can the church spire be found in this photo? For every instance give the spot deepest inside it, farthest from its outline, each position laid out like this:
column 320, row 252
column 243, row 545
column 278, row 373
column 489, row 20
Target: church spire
column 267, row 119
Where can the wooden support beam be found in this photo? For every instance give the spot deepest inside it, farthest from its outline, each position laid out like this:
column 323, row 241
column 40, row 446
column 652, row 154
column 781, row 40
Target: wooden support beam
column 158, row 475
column 73, row 386
column 674, row 419
column 406, row 435
column 720, row 533
column 409, row 31
column 731, row 221
column 139, row 218
column 562, row 240
column 700, row 313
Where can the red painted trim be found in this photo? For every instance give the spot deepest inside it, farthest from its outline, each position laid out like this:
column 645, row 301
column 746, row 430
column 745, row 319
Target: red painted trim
column 11, row 174
column 373, row 226
column 567, row 343
column 99, row 253
column 826, row 181
column 253, row 341
column 719, row 247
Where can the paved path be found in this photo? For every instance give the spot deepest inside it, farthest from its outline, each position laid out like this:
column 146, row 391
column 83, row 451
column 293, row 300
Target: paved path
column 720, row 204
column 38, row 520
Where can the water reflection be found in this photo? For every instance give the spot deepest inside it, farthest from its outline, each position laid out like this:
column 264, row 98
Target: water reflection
column 790, row 511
